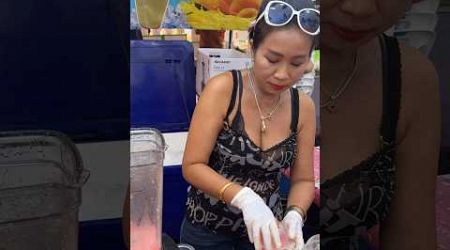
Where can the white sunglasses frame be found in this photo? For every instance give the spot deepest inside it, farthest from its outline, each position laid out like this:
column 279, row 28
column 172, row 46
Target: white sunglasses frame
column 265, row 13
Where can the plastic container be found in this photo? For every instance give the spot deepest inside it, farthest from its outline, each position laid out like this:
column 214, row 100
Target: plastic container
column 162, row 78
column 41, row 175
column 313, row 243
column 147, row 148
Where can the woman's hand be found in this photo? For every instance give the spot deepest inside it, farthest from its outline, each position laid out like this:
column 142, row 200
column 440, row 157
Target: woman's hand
column 293, row 223
column 259, row 220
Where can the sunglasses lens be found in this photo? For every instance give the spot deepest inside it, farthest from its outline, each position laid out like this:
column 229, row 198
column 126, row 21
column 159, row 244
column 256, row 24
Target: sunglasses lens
column 279, row 13
column 309, row 20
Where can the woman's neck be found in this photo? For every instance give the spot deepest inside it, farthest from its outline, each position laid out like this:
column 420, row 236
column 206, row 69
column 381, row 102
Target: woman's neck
column 266, row 100
column 335, row 65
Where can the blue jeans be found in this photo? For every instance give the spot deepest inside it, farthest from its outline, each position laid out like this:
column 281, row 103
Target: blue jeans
column 203, row 239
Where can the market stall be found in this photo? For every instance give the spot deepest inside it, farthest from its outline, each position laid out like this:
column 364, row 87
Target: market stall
column 168, row 70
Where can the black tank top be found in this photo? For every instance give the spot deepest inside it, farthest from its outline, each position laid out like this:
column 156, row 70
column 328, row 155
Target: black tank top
column 236, row 157
column 358, row 199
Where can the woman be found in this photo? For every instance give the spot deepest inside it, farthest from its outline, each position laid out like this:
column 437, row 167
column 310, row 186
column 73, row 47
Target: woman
column 247, row 126
column 379, row 170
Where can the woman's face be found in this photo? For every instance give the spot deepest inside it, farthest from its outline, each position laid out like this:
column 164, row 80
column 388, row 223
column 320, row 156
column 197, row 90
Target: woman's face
column 351, row 23
column 281, row 60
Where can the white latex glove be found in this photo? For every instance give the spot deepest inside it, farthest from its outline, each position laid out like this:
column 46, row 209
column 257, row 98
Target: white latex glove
column 293, row 223
column 258, row 219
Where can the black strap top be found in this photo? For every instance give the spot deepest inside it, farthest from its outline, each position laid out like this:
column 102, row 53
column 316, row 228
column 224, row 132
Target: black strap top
column 236, row 157
column 359, row 198
column 239, row 125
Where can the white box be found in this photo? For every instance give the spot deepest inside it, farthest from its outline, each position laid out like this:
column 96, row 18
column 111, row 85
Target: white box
column 211, row 62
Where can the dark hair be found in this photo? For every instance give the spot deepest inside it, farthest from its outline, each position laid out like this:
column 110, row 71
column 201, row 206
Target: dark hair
column 258, row 32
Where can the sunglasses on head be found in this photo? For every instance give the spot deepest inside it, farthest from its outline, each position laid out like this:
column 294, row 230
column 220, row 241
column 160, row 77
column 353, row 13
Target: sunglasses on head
column 279, row 13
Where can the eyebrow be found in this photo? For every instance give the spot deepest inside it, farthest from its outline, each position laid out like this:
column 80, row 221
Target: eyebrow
column 281, row 55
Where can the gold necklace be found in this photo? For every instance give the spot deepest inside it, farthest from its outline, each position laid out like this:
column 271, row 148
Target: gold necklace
column 261, row 116
column 330, row 104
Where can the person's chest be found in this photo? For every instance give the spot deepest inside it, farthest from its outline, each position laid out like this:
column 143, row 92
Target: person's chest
column 351, row 133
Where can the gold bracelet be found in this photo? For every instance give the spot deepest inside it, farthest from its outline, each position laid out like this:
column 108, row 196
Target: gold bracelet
column 298, row 210
column 223, row 189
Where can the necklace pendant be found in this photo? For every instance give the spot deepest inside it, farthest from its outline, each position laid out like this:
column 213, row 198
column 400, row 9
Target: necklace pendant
column 332, row 106
column 263, row 126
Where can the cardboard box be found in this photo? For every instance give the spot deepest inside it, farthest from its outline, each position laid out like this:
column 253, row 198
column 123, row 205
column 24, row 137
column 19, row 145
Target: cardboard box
column 211, row 62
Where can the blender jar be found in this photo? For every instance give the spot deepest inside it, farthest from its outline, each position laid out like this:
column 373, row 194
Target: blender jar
column 147, row 148
column 41, row 174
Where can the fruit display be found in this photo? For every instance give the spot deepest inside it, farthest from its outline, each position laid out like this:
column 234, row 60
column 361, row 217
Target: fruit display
column 220, row 14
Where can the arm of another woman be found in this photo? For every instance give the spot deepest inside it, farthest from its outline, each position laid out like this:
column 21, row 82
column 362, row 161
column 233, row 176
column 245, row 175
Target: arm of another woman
column 411, row 221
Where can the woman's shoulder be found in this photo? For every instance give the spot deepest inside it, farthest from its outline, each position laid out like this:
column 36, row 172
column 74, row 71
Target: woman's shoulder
column 306, row 103
column 420, row 85
column 307, row 109
column 417, row 68
column 419, row 76
column 217, row 92
column 219, row 84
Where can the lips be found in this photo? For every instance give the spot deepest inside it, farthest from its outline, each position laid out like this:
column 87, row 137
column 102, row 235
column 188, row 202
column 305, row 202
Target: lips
column 277, row 87
column 351, row 35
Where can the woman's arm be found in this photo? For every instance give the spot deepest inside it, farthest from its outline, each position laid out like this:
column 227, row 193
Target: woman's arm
column 411, row 221
column 206, row 123
column 302, row 174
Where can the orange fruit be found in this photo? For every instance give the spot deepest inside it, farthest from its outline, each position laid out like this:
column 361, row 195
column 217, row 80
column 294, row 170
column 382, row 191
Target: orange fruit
column 225, row 6
column 248, row 13
column 238, row 5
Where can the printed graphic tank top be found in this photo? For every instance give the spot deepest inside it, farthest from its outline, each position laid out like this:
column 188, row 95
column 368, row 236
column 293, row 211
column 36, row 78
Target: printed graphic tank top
column 358, row 199
column 236, row 157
